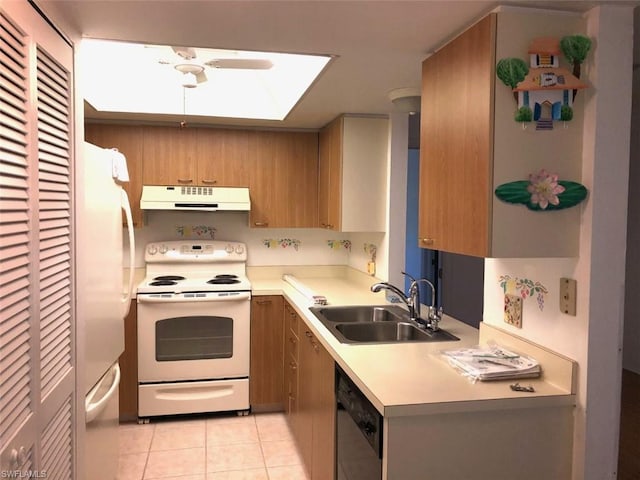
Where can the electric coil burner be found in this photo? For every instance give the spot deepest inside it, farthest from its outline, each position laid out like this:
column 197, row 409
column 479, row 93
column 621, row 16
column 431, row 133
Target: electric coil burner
column 193, row 329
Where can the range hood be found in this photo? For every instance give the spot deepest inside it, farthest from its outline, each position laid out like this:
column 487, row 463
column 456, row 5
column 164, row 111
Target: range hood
column 207, row 199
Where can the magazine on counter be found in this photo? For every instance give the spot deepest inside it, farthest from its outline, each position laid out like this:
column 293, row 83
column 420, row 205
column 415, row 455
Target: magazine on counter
column 492, row 362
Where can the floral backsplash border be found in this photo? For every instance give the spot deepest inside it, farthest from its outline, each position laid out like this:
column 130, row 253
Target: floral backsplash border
column 282, row 242
column 524, row 287
column 371, row 250
column 199, row 231
column 337, row 244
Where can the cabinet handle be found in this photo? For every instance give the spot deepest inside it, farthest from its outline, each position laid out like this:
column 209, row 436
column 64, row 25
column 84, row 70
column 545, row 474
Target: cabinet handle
column 209, row 182
column 263, row 302
column 426, row 241
column 261, row 224
column 308, row 334
column 292, row 340
column 185, row 180
column 293, row 366
column 326, row 225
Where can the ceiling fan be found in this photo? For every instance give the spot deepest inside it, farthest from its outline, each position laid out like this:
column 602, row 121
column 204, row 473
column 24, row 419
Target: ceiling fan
column 193, row 71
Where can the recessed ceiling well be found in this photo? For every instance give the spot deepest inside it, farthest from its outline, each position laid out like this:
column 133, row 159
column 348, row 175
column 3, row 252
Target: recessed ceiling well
column 156, row 79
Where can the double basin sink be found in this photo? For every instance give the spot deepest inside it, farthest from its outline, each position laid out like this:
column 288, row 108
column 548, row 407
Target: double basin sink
column 375, row 324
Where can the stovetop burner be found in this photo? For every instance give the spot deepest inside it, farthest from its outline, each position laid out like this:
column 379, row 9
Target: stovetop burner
column 163, row 283
column 220, row 280
column 186, row 266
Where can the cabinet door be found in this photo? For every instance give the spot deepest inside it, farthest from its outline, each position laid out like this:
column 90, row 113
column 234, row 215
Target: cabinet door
column 330, row 179
column 128, row 395
column 324, row 415
column 222, row 157
column 38, row 397
column 283, row 179
column 266, row 373
column 128, row 140
column 456, row 143
column 169, row 156
column 297, row 189
column 306, row 398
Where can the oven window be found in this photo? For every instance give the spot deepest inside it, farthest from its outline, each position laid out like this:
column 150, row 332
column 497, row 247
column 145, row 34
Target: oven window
column 194, row 338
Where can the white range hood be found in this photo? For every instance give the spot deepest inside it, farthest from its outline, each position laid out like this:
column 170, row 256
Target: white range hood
column 207, row 199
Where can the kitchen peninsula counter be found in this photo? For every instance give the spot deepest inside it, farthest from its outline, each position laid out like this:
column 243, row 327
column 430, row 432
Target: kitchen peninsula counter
column 437, row 423
column 412, row 378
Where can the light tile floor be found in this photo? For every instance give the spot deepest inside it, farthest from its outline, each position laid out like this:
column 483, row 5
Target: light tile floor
column 255, row 447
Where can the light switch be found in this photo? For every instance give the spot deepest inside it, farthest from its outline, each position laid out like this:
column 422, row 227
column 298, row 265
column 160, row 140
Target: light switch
column 568, row 291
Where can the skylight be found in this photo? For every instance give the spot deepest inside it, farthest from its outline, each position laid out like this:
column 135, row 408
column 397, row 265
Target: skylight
column 136, row 78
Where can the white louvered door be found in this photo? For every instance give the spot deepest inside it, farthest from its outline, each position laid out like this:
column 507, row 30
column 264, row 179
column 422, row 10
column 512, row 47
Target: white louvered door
column 37, row 339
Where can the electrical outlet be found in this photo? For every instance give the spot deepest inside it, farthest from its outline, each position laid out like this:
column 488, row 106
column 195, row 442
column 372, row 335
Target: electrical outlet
column 371, row 268
column 513, row 310
column 568, row 293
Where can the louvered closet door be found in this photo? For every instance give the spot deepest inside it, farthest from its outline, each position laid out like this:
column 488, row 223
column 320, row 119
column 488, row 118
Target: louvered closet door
column 37, row 375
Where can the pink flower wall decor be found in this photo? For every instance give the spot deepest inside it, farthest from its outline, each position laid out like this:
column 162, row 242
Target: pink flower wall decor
column 544, row 189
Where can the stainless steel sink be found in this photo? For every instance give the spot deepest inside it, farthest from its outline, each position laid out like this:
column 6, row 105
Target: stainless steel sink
column 361, row 313
column 375, row 324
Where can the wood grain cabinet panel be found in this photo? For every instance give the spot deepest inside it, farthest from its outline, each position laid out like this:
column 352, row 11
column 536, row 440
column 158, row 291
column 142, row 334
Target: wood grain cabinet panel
column 170, row 156
column 283, row 179
column 267, row 354
column 128, row 395
column 470, row 145
column 311, row 414
column 128, row 140
column 222, row 157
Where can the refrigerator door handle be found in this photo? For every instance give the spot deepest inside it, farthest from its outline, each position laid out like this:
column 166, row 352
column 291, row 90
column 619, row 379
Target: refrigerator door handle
column 93, row 409
column 126, row 206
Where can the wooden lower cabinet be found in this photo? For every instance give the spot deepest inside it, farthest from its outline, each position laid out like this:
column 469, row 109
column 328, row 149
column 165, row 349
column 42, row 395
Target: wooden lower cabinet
column 267, row 357
column 129, row 367
column 309, row 373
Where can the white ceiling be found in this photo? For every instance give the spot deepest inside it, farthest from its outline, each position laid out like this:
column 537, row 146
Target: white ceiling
column 379, row 44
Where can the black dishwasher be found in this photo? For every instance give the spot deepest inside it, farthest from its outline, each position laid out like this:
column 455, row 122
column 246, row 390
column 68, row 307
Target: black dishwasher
column 358, row 433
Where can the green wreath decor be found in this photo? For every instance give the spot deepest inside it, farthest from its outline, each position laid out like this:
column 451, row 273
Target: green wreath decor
column 543, row 191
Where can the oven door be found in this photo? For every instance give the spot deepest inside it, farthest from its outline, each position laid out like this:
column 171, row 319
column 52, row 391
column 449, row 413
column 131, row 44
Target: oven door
column 193, row 336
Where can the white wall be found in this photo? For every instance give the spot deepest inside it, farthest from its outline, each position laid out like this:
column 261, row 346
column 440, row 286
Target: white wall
column 593, row 336
column 312, row 244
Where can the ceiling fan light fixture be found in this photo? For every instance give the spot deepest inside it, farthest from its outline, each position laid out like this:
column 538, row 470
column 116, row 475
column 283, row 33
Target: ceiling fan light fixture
column 189, row 80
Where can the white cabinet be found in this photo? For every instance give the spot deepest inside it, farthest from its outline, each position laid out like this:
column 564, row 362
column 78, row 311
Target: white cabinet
column 353, row 174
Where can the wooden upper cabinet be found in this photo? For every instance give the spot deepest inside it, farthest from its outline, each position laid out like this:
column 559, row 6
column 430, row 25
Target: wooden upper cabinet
column 353, row 159
column 330, row 175
column 283, row 181
column 455, row 143
column 170, row 156
column 222, row 157
column 128, row 140
column 471, row 144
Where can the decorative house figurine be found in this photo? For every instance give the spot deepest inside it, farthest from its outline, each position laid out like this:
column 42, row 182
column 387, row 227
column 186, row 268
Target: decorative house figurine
column 547, row 91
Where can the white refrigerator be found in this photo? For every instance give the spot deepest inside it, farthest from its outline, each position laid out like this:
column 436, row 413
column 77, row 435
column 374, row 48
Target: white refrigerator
column 103, row 297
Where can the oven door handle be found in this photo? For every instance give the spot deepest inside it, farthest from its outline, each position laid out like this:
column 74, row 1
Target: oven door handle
column 208, row 298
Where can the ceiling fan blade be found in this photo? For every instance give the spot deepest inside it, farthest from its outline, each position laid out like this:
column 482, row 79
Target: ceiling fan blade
column 201, row 77
column 240, row 63
column 187, row 53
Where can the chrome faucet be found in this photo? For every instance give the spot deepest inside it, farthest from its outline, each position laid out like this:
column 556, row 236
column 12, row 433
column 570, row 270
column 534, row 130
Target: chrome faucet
column 412, row 300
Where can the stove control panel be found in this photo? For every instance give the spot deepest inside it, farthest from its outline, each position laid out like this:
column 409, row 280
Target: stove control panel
column 195, row 251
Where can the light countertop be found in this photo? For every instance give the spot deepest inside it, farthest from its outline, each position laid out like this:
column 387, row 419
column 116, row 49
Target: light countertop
column 410, row 378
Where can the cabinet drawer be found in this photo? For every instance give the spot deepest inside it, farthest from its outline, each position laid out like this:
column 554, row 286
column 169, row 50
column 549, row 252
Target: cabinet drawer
column 292, row 321
column 291, row 346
